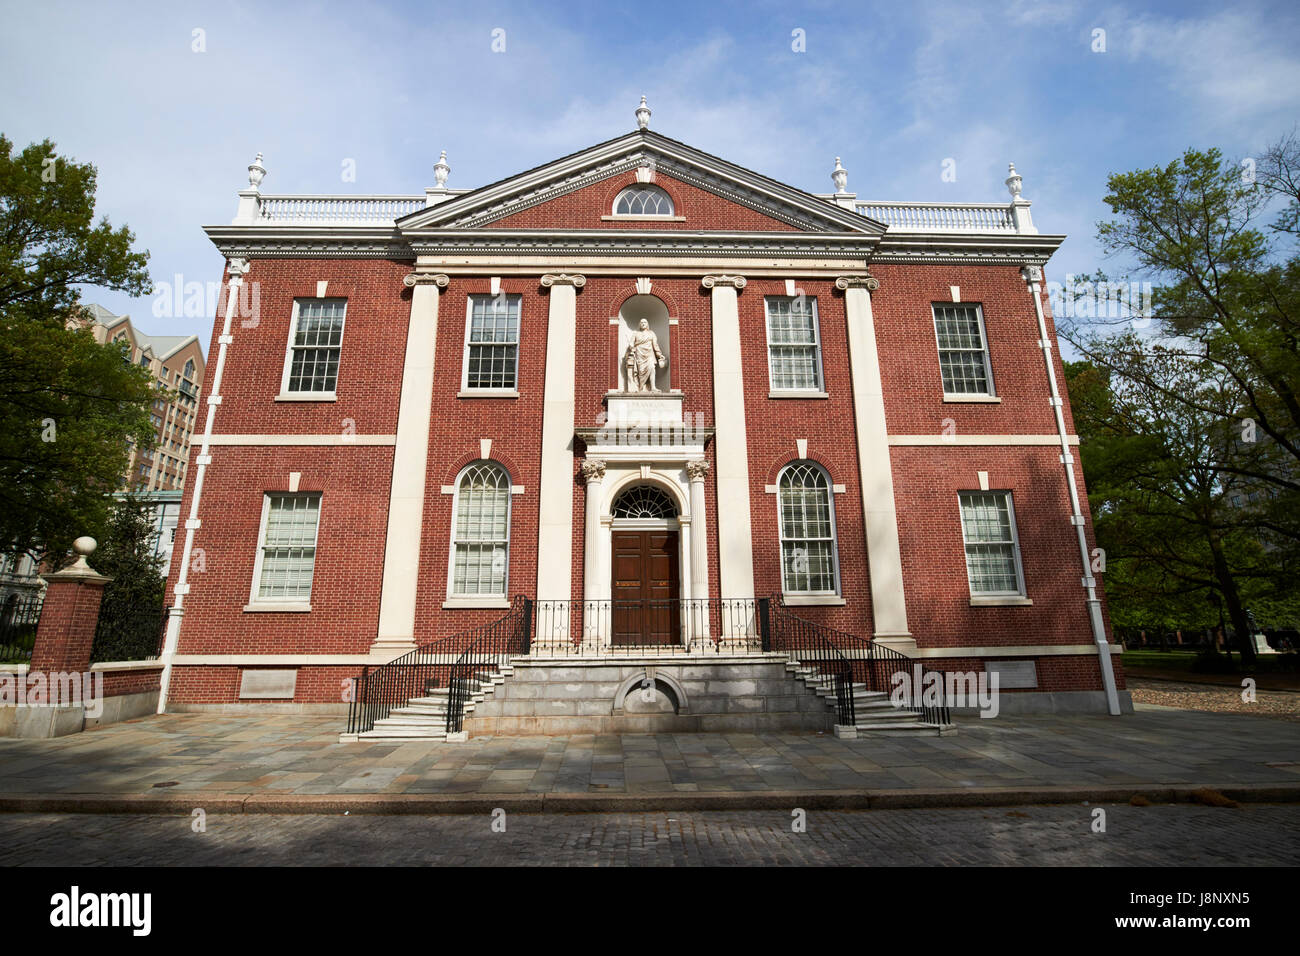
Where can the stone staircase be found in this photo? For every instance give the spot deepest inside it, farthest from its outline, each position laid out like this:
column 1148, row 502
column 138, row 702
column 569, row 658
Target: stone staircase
column 874, row 713
column 425, row 718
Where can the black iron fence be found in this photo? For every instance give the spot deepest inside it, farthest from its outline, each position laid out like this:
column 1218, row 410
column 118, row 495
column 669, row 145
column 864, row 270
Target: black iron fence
column 18, row 619
column 130, row 634
column 645, row 626
column 431, row 667
column 482, row 660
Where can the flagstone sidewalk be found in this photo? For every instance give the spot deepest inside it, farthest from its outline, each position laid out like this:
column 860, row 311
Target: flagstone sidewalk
column 261, row 755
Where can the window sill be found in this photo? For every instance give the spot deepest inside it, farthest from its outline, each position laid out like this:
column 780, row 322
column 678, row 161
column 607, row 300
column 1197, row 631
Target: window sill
column 307, row 397
column 986, row 399
column 813, row 600
column 792, row 393
column 468, row 603
column 1009, row 601
column 488, row 393
column 631, row 218
column 284, row 608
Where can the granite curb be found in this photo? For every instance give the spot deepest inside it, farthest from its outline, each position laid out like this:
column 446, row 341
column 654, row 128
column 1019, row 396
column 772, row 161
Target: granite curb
column 477, row 803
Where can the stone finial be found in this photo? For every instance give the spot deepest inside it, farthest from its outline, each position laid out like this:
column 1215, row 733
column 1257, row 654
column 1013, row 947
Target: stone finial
column 1013, row 181
column 84, row 546
column 256, row 173
column 642, row 115
column 440, row 171
column 840, row 177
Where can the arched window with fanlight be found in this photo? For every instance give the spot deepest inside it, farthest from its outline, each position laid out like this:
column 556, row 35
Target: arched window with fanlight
column 643, row 200
column 644, row 501
column 806, row 516
column 480, row 532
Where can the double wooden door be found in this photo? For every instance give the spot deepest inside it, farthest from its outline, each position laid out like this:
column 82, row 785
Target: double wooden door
column 645, row 588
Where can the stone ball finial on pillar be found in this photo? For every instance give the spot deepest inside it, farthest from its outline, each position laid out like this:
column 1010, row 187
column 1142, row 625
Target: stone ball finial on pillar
column 84, row 546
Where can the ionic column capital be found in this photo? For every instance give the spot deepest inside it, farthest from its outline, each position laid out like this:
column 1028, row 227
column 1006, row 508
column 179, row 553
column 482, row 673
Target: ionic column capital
column 870, row 283
column 1032, row 274
column 593, row 470
column 697, row 469
column 411, row 280
column 237, row 268
column 563, row 278
column 735, row 282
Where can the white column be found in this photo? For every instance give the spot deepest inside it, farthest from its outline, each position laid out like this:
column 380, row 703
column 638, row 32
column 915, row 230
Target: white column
column 884, row 558
column 555, row 520
column 696, row 470
column 593, row 470
column 735, row 545
column 410, row 462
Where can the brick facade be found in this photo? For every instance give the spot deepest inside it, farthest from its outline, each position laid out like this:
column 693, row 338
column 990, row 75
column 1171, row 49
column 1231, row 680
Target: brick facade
column 1016, row 441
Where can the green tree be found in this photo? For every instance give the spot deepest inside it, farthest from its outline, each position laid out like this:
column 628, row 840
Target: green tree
column 130, row 615
column 69, row 408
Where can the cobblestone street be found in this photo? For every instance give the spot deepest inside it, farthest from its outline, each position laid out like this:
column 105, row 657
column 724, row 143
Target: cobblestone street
column 1029, row 836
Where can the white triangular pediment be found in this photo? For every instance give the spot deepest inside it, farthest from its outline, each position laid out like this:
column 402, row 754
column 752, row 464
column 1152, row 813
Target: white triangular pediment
column 488, row 204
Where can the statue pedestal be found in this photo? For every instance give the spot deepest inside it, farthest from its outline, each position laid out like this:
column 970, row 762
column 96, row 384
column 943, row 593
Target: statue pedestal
column 643, row 408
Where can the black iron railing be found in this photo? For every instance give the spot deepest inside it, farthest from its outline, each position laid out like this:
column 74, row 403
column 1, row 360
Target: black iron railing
column 482, row 660
column 810, row 645
column 18, row 620
column 427, row 668
column 649, row 626
column 130, row 634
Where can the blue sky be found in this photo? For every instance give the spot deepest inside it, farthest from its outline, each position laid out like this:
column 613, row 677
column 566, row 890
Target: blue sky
column 894, row 89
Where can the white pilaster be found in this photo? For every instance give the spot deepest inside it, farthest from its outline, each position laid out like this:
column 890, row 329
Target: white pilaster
column 555, row 520
column 735, row 544
column 696, row 470
column 410, row 462
column 884, row 557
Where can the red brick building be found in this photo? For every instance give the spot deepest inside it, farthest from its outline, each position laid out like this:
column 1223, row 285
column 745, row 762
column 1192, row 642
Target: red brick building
column 634, row 379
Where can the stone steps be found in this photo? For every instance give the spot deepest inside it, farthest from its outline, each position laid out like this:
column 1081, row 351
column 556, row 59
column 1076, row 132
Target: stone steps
column 874, row 714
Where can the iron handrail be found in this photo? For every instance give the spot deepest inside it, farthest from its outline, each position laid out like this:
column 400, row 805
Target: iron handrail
column 877, row 665
column 805, row 642
column 500, row 640
column 376, row 692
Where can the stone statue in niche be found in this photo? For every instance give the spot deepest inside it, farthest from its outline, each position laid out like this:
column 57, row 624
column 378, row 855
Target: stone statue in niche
column 642, row 356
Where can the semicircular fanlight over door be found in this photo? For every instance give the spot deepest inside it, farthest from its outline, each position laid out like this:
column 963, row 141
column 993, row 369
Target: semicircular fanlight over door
column 644, row 501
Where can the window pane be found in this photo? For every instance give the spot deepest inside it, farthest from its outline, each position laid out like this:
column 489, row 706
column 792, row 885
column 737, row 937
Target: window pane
column 492, row 357
column 289, row 547
column 963, row 360
column 990, row 544
column 807, row 530
column 481, row 534
column 317, row 343
column 643, row 201
column 792, row 343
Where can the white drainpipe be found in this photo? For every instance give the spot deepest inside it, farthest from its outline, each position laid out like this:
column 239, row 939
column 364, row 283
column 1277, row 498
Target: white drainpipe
column 1034, row 276
column 237, row 269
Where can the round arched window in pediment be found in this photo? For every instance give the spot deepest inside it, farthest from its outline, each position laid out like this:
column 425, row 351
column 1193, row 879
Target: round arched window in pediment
column 643, row 200
column 644, row 501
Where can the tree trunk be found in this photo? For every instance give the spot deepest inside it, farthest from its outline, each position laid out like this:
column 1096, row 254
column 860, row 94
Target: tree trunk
column 1236, row 612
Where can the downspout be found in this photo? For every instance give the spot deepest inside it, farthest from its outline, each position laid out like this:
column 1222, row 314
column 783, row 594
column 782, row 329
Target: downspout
column 237, row 269
column 1034, row 277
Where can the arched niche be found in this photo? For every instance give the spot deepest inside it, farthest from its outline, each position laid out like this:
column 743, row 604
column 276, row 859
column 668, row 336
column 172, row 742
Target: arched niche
column 653, row 310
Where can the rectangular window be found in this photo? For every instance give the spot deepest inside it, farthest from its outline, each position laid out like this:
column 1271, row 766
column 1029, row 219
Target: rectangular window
column 988, row 526
column 492, row 342
column 315, row 343
column 793, row 344
column 963, row 350
column 287, row 557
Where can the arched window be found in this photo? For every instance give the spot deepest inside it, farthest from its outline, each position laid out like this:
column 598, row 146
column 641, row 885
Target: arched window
column 189, row 369
column 644, row 501
column 643, row 201
column 480, row 532
column 806, row 514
